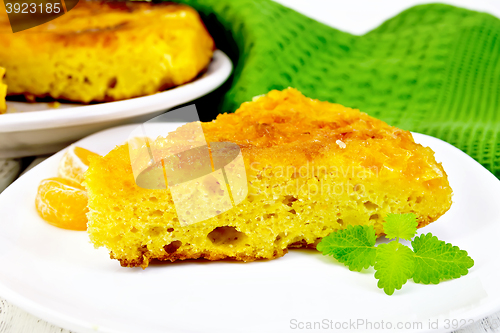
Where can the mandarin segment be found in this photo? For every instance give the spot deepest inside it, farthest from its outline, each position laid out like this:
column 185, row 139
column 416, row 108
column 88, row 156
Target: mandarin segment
column 84, row 154
column 62, row 203
column 74, row 163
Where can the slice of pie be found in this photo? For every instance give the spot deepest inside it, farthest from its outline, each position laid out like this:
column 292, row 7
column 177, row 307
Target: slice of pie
column 283, row 171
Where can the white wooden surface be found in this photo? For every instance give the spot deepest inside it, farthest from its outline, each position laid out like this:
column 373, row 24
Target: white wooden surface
column 15, row 320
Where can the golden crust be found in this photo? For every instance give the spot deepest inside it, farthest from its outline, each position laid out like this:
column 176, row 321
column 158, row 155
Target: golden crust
column 379, row 168
column 106, row 51
column 145, row 258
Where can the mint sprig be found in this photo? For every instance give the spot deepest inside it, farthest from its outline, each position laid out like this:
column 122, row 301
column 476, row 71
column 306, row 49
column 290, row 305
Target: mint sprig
column 430, row 261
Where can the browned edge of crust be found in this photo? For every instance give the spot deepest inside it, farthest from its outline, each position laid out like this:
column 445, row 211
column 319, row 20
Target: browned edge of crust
column 144, row 259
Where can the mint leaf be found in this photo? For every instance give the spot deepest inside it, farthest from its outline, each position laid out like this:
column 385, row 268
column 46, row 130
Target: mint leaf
column 436, row 260
column 394, row 265
column 400, row 226
column 353, row 246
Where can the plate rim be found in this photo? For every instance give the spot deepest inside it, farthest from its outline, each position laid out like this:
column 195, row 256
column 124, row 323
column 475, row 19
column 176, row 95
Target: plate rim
column 219, row 70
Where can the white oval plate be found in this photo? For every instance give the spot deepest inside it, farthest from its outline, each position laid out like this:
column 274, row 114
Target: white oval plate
column 31, row 132
column 57, row 275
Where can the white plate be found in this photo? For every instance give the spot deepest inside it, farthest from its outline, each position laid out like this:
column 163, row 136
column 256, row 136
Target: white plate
column 57, row 275
column 30, row 132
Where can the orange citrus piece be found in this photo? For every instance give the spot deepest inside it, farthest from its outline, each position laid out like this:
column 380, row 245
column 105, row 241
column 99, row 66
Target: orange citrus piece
column 74, row 163
column 63, row 203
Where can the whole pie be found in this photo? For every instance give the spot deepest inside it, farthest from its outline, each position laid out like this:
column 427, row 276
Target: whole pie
column 106, row 51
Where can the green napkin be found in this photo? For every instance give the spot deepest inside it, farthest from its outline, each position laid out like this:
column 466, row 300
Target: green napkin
column 433, row 69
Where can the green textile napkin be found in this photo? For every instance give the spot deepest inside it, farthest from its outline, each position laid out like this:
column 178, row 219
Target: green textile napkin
column 433, row 69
